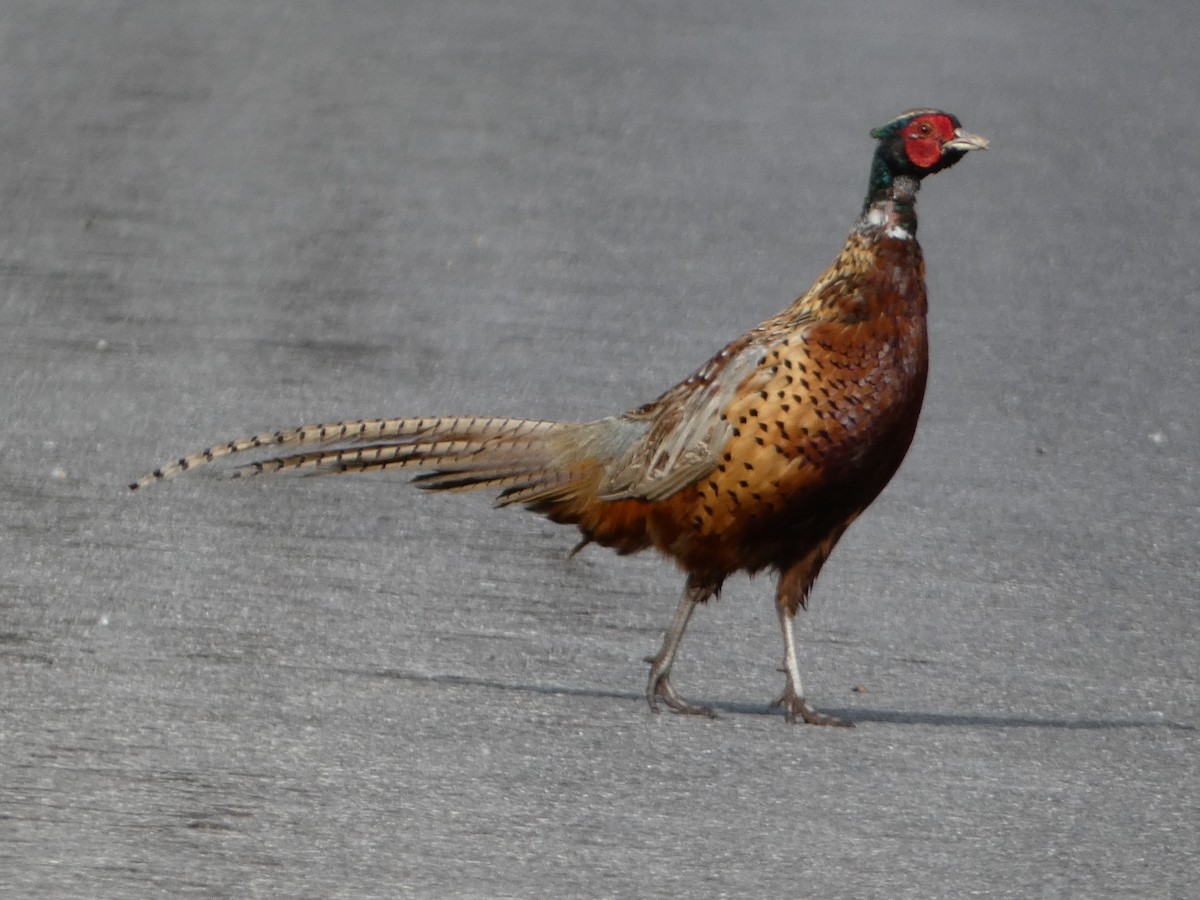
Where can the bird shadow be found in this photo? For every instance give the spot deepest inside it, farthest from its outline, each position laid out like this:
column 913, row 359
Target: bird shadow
column 858, row 715
column 978, row 720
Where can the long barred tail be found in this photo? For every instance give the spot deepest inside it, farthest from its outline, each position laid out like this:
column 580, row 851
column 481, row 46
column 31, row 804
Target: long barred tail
column 530, row 460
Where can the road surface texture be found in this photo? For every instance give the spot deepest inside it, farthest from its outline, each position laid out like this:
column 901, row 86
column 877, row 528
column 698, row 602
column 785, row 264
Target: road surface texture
column 221, row 216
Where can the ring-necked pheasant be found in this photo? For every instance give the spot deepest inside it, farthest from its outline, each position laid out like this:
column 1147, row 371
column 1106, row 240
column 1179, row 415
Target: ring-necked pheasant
column 761, row 459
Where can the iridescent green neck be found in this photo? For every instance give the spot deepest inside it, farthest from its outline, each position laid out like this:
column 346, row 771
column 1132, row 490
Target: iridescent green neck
column 891, row 199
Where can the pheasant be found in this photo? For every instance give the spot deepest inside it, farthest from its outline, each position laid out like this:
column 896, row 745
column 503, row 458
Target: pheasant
column 760, row 460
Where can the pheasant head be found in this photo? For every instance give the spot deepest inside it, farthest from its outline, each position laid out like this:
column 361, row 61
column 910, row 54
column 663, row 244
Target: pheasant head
column 912, row 145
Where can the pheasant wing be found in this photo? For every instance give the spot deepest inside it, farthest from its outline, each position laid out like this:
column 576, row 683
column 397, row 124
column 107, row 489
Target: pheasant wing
column 684, row 431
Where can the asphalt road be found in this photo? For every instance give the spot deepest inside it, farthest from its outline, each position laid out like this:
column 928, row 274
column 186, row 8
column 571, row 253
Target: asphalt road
column 219, row 217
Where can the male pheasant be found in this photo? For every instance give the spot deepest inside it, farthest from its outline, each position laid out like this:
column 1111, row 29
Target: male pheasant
column 759, row 460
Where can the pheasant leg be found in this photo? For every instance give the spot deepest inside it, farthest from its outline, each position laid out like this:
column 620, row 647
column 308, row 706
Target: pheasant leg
column 658, row 687
column 795, row 707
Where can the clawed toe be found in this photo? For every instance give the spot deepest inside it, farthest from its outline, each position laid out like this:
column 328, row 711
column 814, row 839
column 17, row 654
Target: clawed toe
column 659, row 688
column 797, row 709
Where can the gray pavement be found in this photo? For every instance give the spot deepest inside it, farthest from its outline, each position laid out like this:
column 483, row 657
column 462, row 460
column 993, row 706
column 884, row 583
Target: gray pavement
column 223, row 216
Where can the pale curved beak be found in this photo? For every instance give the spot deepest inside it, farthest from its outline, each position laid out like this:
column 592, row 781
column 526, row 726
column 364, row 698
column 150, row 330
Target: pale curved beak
column 965, row 141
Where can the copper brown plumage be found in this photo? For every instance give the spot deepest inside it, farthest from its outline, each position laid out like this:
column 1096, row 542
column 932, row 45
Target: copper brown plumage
column 760, row 460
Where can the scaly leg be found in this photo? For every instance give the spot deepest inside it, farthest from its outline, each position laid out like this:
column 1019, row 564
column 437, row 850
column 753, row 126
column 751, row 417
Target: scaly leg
column 659, row 685
column 794, row 705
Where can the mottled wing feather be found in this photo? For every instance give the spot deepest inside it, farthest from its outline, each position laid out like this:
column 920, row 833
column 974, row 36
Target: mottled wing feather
column 686, row 429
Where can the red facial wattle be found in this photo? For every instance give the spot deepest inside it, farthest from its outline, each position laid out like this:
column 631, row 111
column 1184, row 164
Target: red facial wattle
column 924, row 138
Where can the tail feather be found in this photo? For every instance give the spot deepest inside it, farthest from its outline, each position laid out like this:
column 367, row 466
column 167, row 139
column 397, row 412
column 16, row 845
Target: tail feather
column 546, row 490
column 563, row 470
column 373, row 457
column 461, row 453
